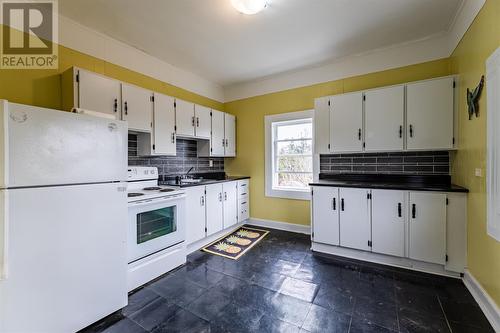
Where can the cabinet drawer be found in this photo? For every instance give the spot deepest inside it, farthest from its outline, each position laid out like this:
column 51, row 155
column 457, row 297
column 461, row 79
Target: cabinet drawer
column 244, row 212
column 243, row 187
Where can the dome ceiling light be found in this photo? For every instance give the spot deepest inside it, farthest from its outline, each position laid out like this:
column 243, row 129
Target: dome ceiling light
column 249, row 7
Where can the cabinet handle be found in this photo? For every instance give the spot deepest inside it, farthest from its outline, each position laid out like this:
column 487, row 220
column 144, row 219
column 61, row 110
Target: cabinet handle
column 359, row 134
column 227, row 143
column 197, row 122
column 202, row 200
column 400, row 131
column 342, row 204
column 413, row 211
column 220, row 196
column 192, row 121
column 411, row 131
column 223, row 142
column 115, row 105
column 334, row 203
column 225, row 196
column 399, row 210
column 126, row 108
column 173, row 137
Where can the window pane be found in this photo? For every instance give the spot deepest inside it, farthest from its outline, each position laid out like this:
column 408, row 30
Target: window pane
column 294, row 180
column 294, row 131
column 295, row 147
column 294, row 163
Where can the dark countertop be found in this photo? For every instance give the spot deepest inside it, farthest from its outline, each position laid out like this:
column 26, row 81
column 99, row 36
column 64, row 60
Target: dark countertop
column 207, row 180
column 436, row 183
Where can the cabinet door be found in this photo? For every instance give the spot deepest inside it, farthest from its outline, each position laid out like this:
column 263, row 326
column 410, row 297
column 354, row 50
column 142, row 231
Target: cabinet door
column 384, row 111
column 388, row 222
column 203, row 121
column 218, row 140
column 137, row 108
column 430, row 114
column 164, row 125
column 325, row 215
column 427, row 224
column 230, row 133
column 346, row 123
column 195, row 214
column 355, row 229
column 322, row 125
column 98, row 93
column 184, row 118
column 230, row 193
column 215, row 214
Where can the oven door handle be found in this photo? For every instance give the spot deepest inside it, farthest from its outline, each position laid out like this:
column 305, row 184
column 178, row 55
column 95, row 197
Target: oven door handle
column 155, row 201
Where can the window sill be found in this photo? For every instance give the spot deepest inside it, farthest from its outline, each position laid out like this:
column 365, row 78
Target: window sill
column 289, row 194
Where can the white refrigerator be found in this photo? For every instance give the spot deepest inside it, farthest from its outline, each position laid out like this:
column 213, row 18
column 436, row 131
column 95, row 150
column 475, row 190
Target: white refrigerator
column 63, row 219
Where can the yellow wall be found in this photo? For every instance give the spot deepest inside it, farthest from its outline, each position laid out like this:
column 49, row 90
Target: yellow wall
column 468, row 60
column 43, row 87
column 250, row 113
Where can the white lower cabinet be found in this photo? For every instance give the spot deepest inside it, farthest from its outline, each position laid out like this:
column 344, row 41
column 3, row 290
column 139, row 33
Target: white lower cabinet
column 355, row 228
column 230, row 206
column 427, row 227
column 215, row 210
column 195, row 214
column 325, row 215
column 389, row 222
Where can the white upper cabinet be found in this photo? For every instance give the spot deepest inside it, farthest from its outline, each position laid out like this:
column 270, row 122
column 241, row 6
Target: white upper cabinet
column 346, row 123
column 184, row 118
column 384, row 121
column 218, row 141
column 322, row 125
column 97, row 93
column 355, row 228
column 164, row 141
column 137, row 108
column 325, row 215
column 203, row 121
column 430, row 109
column 230, row 135
column 427, row 222
column 389, row 222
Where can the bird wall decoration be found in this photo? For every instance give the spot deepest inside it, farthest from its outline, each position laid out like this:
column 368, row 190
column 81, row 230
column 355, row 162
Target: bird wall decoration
column 473, row 99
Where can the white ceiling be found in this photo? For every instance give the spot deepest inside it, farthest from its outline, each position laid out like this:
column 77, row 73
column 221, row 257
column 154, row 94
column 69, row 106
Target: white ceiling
column 211, row 39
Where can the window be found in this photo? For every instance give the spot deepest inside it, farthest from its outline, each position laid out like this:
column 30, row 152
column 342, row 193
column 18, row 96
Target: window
column 289, row 155
column 493, row 147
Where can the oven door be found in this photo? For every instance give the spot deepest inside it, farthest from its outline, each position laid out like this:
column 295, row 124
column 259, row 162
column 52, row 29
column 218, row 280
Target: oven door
column 155, row 225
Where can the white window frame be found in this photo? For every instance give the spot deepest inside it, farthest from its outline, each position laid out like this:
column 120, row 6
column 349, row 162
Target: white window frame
column 269, row 120
column 493, row 147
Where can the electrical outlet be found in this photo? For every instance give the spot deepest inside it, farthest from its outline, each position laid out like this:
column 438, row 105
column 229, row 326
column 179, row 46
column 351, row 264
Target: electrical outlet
column 478, row 172
column 211, row 163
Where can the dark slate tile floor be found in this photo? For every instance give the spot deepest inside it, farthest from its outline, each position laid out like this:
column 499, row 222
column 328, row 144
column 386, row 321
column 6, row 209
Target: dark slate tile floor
column 281, row 286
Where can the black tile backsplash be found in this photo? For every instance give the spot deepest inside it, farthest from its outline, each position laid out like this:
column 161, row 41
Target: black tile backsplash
column 428, row 162
column 173, row 165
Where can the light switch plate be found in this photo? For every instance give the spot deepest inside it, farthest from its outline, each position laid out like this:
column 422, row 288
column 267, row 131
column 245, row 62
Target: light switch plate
column 210, row 163
column 478, row 172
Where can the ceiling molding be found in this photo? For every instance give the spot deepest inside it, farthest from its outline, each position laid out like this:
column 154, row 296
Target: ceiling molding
column 80, row 38
column 432, row 48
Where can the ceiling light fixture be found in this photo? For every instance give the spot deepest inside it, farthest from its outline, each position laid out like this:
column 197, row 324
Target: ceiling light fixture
column 249, row 7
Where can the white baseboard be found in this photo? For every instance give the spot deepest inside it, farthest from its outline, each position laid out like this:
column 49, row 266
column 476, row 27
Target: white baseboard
column 301, row 229
column 486, row 303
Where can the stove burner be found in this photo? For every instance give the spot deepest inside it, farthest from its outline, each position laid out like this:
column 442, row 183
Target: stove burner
column 154, row 188
column 167, row 190
column 131, row 195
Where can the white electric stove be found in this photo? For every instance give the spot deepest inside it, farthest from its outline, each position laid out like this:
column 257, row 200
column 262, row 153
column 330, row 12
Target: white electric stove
column 156, row 227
